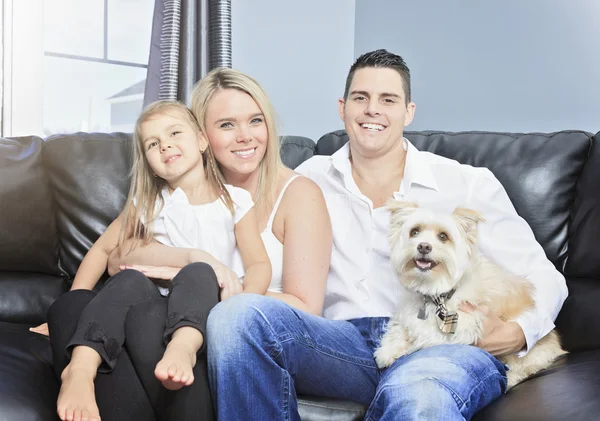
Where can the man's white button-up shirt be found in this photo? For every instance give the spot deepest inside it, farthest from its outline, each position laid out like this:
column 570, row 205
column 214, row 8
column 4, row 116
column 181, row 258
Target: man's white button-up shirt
column 361, row 282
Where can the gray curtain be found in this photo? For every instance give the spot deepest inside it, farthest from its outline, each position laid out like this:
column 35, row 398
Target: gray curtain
column 189, row 38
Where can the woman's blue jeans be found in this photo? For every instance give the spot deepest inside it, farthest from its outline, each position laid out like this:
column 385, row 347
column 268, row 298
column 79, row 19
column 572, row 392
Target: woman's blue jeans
column 262, row 352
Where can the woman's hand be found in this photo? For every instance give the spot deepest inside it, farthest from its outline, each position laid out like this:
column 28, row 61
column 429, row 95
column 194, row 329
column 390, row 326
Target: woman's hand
column 41, row 329
column 228, row 281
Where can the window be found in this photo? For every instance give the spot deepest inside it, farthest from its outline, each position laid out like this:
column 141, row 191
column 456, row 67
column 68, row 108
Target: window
column 73, row 65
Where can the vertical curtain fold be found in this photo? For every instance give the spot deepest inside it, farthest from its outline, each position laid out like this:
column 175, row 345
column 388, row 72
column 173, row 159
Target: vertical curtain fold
column 189, row 37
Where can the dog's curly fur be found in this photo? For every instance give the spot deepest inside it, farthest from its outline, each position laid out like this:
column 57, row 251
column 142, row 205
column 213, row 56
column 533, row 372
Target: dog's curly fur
column 432, row 254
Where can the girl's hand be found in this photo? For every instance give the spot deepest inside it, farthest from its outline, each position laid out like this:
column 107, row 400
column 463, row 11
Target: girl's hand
column 41, row 329
column 157, row 272
column 228, row 281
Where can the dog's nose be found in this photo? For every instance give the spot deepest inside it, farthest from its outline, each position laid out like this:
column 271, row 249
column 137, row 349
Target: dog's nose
column 424, row 248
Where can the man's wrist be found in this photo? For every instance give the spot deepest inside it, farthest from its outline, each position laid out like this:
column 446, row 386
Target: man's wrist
column 518, row 336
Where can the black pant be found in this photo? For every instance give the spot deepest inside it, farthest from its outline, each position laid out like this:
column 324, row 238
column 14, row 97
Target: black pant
column 128, row 323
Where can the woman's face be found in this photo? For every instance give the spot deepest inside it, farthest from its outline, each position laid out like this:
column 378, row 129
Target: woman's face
column 237, row 132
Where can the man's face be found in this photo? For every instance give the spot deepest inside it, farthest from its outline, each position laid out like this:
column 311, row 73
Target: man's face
column 375, row 112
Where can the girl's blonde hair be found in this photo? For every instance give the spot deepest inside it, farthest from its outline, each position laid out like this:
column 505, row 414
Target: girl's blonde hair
column 225, row 78
column 145, row 200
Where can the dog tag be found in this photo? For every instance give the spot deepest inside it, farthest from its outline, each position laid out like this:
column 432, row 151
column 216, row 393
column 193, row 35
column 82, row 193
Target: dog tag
column 422, row 313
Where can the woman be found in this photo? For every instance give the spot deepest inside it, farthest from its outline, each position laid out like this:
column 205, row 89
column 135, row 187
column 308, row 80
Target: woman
column 237, row 118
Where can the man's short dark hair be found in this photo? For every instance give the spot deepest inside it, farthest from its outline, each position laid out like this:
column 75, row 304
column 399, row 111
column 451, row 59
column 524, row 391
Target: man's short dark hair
column 385, row 60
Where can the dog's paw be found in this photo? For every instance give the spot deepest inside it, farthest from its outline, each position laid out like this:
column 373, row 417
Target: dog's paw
column 385, row 357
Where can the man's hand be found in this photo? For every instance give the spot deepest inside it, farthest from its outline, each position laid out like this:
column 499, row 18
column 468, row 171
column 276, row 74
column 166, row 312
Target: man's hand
column 499, row 337
column 41, row 329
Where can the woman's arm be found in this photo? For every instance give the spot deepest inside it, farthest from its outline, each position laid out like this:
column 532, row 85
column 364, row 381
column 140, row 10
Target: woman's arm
column 256, row 260
column 307, row 242
column 156, row 254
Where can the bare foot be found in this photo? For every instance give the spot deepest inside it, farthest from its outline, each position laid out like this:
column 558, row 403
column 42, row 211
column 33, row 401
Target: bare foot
column 77, row 399
column 175, row 369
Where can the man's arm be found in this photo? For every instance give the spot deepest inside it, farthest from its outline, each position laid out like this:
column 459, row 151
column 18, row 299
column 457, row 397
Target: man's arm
column 508, row 240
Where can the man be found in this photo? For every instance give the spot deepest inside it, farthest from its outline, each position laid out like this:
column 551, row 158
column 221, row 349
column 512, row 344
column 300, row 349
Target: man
column 261, row 352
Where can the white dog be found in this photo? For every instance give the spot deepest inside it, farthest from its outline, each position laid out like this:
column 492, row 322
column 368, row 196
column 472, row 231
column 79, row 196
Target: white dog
column 436, row 258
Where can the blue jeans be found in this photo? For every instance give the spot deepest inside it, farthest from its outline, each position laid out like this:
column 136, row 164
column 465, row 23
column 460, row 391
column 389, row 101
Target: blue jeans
column 261, row 352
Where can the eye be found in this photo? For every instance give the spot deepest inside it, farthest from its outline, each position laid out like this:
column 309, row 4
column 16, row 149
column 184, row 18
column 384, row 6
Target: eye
column 151, row 145
column 443, row 237
column 414, row 232
column 226, row 125
column 359, row 98
column 175, row 133
column 256, row 120
column 389, row 101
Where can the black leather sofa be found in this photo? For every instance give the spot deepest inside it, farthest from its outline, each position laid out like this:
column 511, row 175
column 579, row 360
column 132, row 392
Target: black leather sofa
column 58, row 194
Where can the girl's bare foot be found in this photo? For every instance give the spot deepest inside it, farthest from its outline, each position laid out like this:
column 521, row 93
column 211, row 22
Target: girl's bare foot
column 77, row 399
column 175, row 369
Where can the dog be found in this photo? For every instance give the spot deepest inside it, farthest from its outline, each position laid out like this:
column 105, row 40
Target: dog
column 436, row 258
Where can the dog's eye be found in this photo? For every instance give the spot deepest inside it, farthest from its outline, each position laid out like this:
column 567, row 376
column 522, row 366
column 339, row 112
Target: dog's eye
column 443, row 237
column 414, row 232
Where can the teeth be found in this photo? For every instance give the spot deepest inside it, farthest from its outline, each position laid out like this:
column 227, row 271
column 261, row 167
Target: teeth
column 372, row 126
column 172, row 158
column 245, row 153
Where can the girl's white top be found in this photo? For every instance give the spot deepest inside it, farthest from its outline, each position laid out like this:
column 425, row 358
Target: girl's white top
column 208, row 227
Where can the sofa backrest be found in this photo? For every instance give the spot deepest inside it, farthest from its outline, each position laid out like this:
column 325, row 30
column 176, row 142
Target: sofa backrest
column 30, row 278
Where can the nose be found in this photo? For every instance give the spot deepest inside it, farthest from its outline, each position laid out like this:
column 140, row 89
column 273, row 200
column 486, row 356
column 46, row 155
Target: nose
column 164, row 146
column 243, row 135
column 424, row 248
column 372, row 107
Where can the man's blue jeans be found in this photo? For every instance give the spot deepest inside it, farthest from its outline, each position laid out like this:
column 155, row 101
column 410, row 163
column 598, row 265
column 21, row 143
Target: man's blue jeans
column 262, row 352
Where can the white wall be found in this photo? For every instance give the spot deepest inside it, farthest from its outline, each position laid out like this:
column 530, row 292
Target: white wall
column 300, row 52
column 509, row 65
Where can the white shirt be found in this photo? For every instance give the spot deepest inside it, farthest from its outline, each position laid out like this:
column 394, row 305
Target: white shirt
column 361, row 282
column 208, row 227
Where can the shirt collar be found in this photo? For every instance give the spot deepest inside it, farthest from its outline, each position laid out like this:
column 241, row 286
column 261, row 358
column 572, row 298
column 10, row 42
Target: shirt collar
column 416, row 169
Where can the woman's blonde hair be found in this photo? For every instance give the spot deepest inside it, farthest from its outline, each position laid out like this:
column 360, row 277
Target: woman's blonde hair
column 224, row 78
column 145, row 200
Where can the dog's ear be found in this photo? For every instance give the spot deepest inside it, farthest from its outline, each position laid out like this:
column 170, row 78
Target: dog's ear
column 467, row 220
column 400, row 210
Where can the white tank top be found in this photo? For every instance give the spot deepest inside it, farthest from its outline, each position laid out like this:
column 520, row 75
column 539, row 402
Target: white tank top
column 273, row 245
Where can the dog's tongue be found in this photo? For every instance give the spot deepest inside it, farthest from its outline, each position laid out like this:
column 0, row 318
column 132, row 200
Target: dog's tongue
column 423, row 264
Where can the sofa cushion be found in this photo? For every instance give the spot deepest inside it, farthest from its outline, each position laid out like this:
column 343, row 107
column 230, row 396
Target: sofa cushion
column 584, row 255
column 89, row 177
column 295, row 150
column 570, row 390
column 577, row 319
column 538, row 171
column 28, row 386
column 28, row 232
column 25, row 297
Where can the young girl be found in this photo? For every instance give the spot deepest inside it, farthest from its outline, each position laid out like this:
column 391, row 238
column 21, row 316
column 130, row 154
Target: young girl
column 177, row 197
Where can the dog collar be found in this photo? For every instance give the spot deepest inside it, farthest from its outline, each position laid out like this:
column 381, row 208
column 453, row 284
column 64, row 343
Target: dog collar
column 446, row 320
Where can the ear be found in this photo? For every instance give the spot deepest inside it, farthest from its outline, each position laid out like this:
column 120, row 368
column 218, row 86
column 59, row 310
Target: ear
column 410, row 113
column 341, row 104
column 202, row 142
column 467, row 220
column 400, row 211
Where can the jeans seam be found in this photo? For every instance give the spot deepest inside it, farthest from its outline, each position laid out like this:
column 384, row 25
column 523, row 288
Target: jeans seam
column 331, row 353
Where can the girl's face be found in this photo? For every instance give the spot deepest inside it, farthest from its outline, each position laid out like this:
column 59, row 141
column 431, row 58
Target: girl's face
column 172, row 147
column 236, row 131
